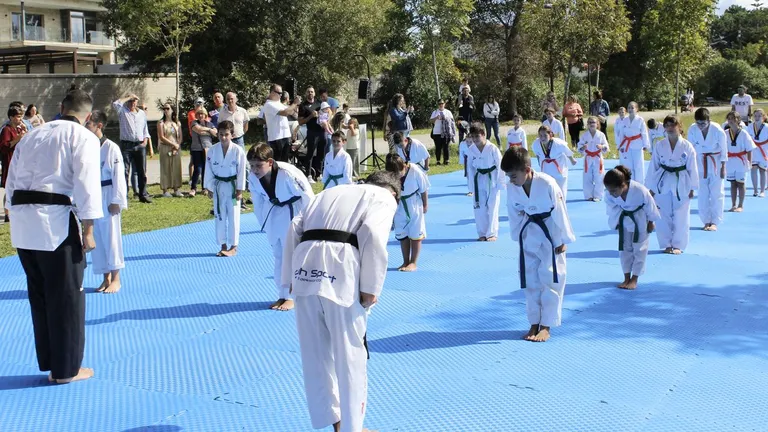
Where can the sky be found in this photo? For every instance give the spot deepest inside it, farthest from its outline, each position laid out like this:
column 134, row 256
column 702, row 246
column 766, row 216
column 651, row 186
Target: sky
column 722, row 5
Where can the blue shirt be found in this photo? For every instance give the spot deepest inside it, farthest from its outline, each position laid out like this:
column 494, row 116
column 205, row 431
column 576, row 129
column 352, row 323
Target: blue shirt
column 599, row 109
column 333, row 102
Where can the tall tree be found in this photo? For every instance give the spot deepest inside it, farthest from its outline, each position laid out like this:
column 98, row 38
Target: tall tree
column 677, row 32
column 168, row 24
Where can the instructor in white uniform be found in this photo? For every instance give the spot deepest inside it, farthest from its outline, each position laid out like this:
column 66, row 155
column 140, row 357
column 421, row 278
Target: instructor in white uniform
column 55, row 167
column 336, row 261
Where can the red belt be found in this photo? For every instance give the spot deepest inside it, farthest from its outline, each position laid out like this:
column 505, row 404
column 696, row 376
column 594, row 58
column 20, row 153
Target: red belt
column 740, row 155
column 596, row 154
column 554, row 161
column 626, row 141
column 706, row 165
column 760, row 147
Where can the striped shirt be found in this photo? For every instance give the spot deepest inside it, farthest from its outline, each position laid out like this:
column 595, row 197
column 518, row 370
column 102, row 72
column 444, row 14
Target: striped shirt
column 133, row 125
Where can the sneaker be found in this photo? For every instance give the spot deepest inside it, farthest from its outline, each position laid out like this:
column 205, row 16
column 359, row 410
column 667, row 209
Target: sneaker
column 167, row 194
column 145, row 199
column 178, row 194
column 311, row 180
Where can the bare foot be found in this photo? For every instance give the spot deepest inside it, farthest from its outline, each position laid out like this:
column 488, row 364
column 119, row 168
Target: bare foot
column 82, row 375
column 103, row 286
column 277, row 304
column 470, row 194
column 733, row 209
column 482, row 239
column 542, row 336
column 668, row 250
column 230, row 253
column 713, row 227
column 50, row 377
column 738, row 209
column 761, row 195
column 402, row 266
column 706, row 227
column 286, row 305
column 113, row 287
column 623, row 285
column 532, row 332
column 409, row 268
column 491, row 239
column 676, row 251
column 632, row 284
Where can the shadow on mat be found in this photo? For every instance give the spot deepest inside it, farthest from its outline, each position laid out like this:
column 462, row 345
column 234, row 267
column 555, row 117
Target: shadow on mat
column 161, row 428
column 600, row 233
column 13, row 295
column 461, row 222
column 17, row 382
column 168, row 256
column 612, row 253
column 437, row 241
column 197, row 310
column 426, row 340
column 447, row 195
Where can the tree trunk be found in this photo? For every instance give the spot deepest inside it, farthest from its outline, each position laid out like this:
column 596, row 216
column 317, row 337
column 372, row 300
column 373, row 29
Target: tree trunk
column 568, row 80
column 589, row 86
column 597, row 81
column 434, row 65
column 677, row 72
column 178, row 60
column 511, row 76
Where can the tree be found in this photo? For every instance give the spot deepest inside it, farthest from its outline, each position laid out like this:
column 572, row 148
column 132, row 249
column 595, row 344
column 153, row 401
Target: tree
column 160, row 23
column 677, row 32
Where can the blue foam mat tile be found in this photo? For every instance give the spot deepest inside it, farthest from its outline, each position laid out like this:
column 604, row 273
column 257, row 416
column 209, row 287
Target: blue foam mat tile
column 209, row 367
column 396, row 306
column 662, row 422
column 262, row 329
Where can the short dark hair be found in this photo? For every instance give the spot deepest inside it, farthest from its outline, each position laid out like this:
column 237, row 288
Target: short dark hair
column 339, row 134
column 477, row 128
column 617, row 177
column 398, row 137
column 322, row 90
column 515, row 159
column 735, row 115
column 675, row 120
column 651, row 123
column 226, row 125
column 701, row 114
column 16, row 103
column 386, row 180
column 76, row 101
column 274, row 87
column 394, row 163
column 598, row 94
column 28, row 112
column 15, row 110
column 98, row 116
column 259, row 152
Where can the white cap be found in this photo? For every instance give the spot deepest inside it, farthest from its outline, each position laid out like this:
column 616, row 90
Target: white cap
column 199, row 101
column 324, row 105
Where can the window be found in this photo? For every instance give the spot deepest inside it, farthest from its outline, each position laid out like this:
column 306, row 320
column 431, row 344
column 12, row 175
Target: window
column 34, row 29
column 77, row 27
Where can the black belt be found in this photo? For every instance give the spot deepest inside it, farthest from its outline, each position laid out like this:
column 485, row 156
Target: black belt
column 330, row 235
column 277, row 203
column 22, row 197
column 107, row 182
column 537, row 219
column 135, row 143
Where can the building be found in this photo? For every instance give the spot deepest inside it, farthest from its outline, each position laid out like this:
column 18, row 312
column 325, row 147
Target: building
column 53, row 36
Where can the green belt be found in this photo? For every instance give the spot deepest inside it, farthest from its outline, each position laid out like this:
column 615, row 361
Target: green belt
column 675, row 170
column 334, row 178
column 404, row 200
column 483, row 171
column 631, row 215
column 231, row 180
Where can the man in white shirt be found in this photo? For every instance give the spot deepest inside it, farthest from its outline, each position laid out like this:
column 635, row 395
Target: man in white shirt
column 276, row 116
column 742, row 103
column 238, row 116
column 55, row 172
column 336, row 263
column 134, row 137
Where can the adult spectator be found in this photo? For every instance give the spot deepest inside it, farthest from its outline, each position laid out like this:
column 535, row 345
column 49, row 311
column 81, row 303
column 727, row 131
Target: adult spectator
column 33, row 117
column 466, row 108
column 333, row 102
column 238, row 116
column 599, row 108
column 203, row 133
column 191, row 117
column 742, row 103
column 10, row 135
column 400, row 115
column 308, row 113
column 491, row 112
column 353, row 144
column 218, row 104
column 345, row 110
column 134, row 136
column 293, row 119
column 443, row 131
column 574, row 117
column 23, row 107
column 278, row 129
column 464, row 83
column 169, row 146
column 549, row 102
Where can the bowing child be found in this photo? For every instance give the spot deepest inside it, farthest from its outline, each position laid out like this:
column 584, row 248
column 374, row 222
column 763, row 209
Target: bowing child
column 553, row 154
column 465, row 162
column 410, row 226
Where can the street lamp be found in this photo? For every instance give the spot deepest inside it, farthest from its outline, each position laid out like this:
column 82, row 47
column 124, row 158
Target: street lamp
column 376, row 160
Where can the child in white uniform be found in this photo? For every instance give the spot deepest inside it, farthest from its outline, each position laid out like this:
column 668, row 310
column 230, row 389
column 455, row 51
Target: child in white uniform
column 487, row 183
column 740, row 148
column 554, row 124
column 708, row 140
column 655, row 132
column 631, row 142
column 632, row 211
column 225, row 183
column 539, row 222
column 618, row 126
column 592, row 144
column 759, row 134
column 516, row 136
column 410, row 225
column 466, row 162
column 672, row 177
column 108, row 257
column 337, row 168
column 411, row 150
column 553, row 154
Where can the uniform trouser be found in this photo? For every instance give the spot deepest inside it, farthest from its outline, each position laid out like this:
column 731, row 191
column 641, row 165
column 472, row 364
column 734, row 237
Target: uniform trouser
column 543, row 297
column 492, row 125
column 198, row 165
column 634, row 254
column 487, row 216
column 334, row 361
column 633, row 159
column 281, row 149
column 134, row 155
column 562, row 181
column 441, row 148
column 54, row 284
column 315, row 155
column 277, row 253
column 593, row 181
column 672, row 228
column 711, row 197
column 108, row 255
column 228, row 221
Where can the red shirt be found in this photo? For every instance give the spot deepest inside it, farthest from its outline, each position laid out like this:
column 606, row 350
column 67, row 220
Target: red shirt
column 8, row 134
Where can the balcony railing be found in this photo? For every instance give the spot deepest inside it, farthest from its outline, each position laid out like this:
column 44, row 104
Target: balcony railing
column 41, row 34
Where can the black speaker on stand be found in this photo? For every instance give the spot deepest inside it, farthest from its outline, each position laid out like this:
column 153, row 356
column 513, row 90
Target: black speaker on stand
column 373, row 160
column 362, row 89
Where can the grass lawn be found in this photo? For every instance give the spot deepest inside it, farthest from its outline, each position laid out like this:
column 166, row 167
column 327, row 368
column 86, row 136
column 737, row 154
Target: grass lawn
column 169, row 212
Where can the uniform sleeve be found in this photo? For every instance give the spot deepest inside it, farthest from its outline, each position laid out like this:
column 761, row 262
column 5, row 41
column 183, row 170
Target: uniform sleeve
column 652, row 176
column 119, row 187
column 749, row 143
column 525, row 140
column 516, row 217
column 348, row 169
column 372, row 238
column 692, row 166
column 325, row 174
column 300, row 186
column 650, row 207
column 560, row 216
column 645, row 137
column 86, row 164
column 604, row 142
column 566, row 149
column 613, row 210
column 560, row 130
column 462, row 152
column 256, row 197
column 723, row 145
column 241, row 169
column 208, row 180
column 424, row 183
column 501, row 176
column 424, row 152
column 582, row 144
column 292, row 239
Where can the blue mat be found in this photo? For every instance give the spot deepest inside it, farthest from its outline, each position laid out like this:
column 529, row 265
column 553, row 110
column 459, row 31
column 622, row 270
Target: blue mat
column 188, row 344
